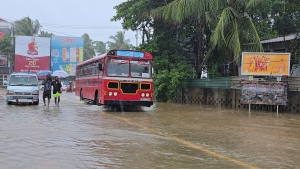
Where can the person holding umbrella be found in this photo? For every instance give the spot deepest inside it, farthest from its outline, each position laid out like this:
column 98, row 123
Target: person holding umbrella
column 56, row 90
column 47, row 89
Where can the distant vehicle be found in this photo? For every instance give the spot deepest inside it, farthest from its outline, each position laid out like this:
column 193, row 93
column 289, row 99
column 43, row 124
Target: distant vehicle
column 118, row 78
column 63, row 87
column 22, row 88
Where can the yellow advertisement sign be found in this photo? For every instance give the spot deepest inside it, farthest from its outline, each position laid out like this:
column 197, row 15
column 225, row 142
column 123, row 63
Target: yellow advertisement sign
column 266, row 64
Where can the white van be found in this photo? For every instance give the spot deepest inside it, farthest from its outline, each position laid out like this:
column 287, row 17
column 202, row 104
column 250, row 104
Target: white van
column 22, row 88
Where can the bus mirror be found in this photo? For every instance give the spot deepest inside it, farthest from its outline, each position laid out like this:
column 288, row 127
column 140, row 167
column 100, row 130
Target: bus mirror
column 100, row 67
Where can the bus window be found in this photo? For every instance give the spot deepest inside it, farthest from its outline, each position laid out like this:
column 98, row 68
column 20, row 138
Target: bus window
column 118, row 67
column 140, row 69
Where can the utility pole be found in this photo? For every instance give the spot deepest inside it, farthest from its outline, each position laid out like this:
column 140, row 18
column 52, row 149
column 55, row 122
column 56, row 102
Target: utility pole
column 136, row 36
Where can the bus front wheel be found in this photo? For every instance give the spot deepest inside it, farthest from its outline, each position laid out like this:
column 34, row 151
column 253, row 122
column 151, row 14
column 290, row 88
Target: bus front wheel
column 96, row 100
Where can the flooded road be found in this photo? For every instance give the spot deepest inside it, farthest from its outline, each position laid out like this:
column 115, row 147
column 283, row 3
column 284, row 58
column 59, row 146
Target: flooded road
column 79, row 135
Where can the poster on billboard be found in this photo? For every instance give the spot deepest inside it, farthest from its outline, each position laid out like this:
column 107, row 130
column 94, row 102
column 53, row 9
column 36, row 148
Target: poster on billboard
column 265, row 64
column 66, row 53
column 3, row 61
column 269, row 93
column 32, row 54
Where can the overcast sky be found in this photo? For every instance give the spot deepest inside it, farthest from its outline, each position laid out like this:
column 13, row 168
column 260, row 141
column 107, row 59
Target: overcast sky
column 69, row 17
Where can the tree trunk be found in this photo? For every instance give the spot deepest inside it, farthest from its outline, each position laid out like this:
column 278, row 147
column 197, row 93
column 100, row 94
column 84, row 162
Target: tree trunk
column 143, row 36
column 200, row 47
column 235, row 69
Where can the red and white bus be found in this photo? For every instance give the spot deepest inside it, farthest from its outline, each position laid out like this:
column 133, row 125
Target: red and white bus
column 117, row 78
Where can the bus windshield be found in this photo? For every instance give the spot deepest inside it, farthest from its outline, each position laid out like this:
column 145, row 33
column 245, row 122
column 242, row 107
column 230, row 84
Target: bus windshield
column 118, row 67
column 140, row 69
column 23, row 80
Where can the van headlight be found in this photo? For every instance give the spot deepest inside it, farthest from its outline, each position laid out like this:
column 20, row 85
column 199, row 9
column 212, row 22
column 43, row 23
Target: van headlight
column 35, row 92
column 10, row 92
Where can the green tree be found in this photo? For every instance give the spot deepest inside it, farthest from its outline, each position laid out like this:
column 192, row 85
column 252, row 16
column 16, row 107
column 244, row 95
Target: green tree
column 27, row 27
column 135, row 15
column 6, row 45
column 286, row 14
column 100, row 47
column 7, row 48
column 171, row 71
column 89, row 51
column 235, row 28
column 45, row 34
column 231, row 25
column 263, row 20
column 119, row 42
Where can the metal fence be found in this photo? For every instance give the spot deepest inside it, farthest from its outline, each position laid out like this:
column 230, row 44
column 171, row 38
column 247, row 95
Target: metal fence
column 220, row 83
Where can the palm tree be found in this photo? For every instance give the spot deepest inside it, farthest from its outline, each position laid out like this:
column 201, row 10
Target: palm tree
column 89, row 51
column 119, row 42
column 231, row 25
column 27, row 27
column 100, row 47
column 45, row 34
column 235, row 28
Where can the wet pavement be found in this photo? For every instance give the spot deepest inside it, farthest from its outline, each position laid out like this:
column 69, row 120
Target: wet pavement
column 79, row 135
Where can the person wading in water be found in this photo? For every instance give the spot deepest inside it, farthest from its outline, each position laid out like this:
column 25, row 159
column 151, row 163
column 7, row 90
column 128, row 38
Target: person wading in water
column 47, row 89
column 56, row 90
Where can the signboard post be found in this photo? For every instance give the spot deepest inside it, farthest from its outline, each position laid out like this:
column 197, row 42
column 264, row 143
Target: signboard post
column 265, row 64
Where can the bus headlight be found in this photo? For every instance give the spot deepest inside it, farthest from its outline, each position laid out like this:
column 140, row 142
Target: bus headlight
column 143, row 94
column 147, row 94
column 115, row 93
column 110, row 93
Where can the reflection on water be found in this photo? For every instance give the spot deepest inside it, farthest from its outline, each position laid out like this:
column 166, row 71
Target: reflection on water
column 79, row 135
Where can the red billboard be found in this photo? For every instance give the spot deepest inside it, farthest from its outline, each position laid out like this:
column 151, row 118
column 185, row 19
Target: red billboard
column 32, row 54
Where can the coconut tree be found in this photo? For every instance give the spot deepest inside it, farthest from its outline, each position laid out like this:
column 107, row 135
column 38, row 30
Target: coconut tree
column 100, row 47
column 26, row 27
column 228, row 20
column 89, row 51
column 119, row 42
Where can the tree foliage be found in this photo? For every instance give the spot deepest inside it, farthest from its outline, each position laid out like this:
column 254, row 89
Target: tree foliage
column 100, row 47
column 286, row 14
column 45, row 34
column 6, row 45
column 119, row 42
column 27, row 27
column 135, row 15
column 89, row 51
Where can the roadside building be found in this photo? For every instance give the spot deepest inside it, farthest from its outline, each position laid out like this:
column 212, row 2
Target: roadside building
column 5, row 30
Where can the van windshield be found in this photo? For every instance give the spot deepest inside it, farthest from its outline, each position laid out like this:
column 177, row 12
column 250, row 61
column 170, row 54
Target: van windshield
column 23, row 80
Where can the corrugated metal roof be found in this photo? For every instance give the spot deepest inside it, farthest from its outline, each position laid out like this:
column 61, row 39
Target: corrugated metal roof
column 280, row 39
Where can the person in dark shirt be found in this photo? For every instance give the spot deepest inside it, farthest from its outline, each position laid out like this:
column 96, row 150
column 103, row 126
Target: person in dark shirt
column 56, row 90
column 47, row 89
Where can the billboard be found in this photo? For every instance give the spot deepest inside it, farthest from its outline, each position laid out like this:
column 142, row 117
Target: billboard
column 265, row 64
column 66, row 53
column 3, row 61
column 32, row 54
column 269, row 93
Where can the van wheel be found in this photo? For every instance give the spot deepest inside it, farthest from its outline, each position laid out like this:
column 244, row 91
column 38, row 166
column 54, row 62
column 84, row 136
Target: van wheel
column 36, row 103
column 9, row 103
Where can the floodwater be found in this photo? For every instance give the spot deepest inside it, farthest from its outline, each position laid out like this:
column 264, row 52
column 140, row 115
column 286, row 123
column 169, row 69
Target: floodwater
column 79, row 135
